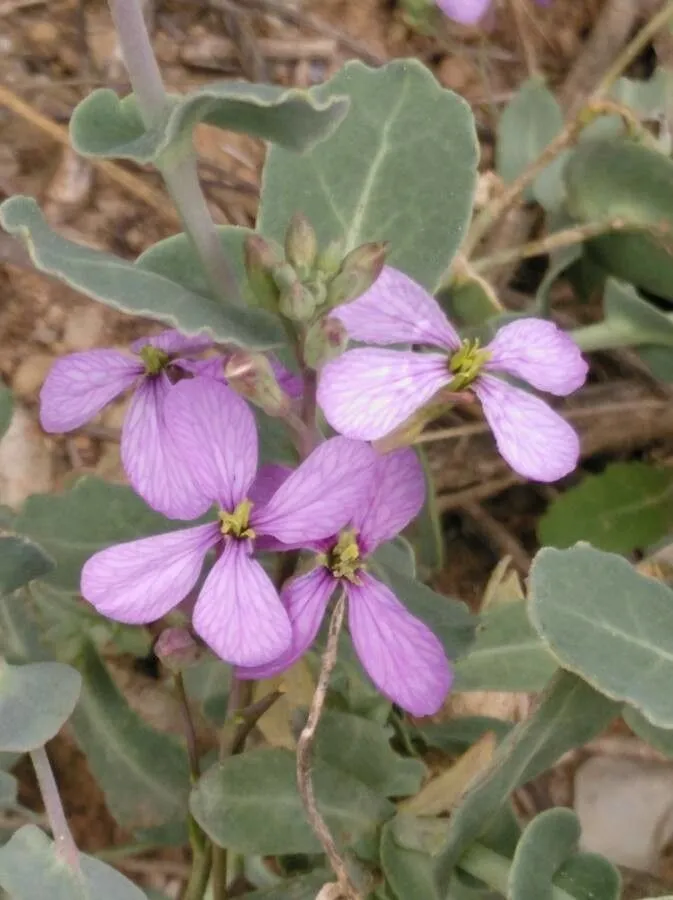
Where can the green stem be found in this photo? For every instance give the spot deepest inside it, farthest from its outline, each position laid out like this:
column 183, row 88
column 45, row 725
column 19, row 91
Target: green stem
column 604, row 335
column 179, row 167
column 493, row 870
column 63, row 839
column 198, row 879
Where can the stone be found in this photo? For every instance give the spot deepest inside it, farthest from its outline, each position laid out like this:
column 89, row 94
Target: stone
column 30, row 374
column 26, row 465
column 84, row 328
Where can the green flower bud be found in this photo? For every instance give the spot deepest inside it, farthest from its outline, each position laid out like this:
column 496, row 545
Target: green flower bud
column 261, row 259
column 301, row 244
column 251, row 376
column 325, row 340
column 297, row 303
column 329, row 260
column 357, row 274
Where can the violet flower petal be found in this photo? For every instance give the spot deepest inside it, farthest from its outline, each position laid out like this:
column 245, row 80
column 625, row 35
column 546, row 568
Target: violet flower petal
column 367, row 393
column 396, row 497
column 213, row 367
column 468, row 12
column 292, row 384
column 305, row 599
column 267, row 481
column 541, row 354
column 404, row 659
column 238, row 613
column 153, row 462
column 535, row 441
column 140, row 581
column 321, row 496
column 173, row 341
column 79, row 385
column 396, row 310
column 215, row 433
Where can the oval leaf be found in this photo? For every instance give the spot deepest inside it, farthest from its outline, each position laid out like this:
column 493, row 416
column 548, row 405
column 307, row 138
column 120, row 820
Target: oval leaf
column 35, row 702
column 545, row 844
column 21, row 561
column 403, row 159
column 609, row 624
column 411, row 870
column 251, row 804
column 131, row 289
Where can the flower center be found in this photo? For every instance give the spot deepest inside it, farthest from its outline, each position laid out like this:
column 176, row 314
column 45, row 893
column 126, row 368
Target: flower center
column 237, row 523
column 466, row 364
column 344, row 560
column 155, row 360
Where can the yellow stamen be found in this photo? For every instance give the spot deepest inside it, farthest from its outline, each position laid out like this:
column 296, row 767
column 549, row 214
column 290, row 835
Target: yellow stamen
column 344, row 559
column 466, row 364
column 155, row 360
column 237, row 524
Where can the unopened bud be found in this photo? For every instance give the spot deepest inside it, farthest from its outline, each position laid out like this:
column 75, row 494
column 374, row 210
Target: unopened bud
column 177, row 649
column 301, row 244
column 325, row 340
column 329, row 260
column 358, row 272
column 261, row 259
column 251, row 375
column 297, row 303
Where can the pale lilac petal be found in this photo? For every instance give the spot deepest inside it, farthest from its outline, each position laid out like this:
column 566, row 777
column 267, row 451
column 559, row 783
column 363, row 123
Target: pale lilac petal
column 238, row 613
column 172, row 341
column 213, row 367
column 292, row 384
column 156, row 468
column 541, row 354
column 142, row 580
column 321, row 496
column 267, row 481
column 535, row 441
column 401, row 655
column 396, row 310
column 79, row 385
column 397, row 495
column 305, row 599
column 215, row 432
column 368, row 393
column 467, row 12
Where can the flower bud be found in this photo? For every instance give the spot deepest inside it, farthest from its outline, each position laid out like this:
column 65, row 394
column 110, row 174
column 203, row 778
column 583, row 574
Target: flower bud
column 325, row 340
column 261, row 259
column 177, row 649
column 251, row 375
column 357, row 274
column 297, row 303
column 329, row 260
column 301, row 244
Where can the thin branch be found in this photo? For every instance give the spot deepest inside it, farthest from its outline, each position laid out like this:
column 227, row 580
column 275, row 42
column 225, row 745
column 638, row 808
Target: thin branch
column 188, row 725
column 65, row 843
column 305, row 753
column 518, row 14
column 249, row 717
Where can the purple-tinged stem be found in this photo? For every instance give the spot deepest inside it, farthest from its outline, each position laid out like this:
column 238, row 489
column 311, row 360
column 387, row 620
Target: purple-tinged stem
column 63, row 839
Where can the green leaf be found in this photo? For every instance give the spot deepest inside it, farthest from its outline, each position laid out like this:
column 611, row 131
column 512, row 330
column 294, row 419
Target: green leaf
column 143, row 773
column 35, row 702
column 132, row 289
column 626, row 507
column 208, row 683
column 569, row 714
column 659, row 738
column 409, row 849
column 507, row 655
column 250, row 803
column 460, row 733
column 529, row 122
column 403, row 159
column 659, row 360
column 426, row 530
column 362, row 748
column 20, row 637
column 21, row 561
column 545, row 844
column 588, row 876
column 6, row 408
column 608, row 623
column 92, row 515
column 8, row 789
column 31, row 868
column 104, row 125
column 559, row 261
column 449, row 619
column 303, row 887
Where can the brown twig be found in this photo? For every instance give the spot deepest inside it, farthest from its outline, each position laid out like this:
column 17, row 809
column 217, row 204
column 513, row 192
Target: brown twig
column 518, row 14
column 249, row 717
column 304, row 755
column 500, row 537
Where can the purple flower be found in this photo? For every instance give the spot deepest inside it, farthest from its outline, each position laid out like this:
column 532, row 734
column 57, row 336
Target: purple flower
column 238, row 612
column 367, row 393
column 403, row 657
column 468, row 12
column 81, row 384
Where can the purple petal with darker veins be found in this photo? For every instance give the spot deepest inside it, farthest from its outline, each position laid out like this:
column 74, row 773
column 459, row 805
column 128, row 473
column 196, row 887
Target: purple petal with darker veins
column 397, row 495
column 468, row 12
column 321, row 496
column 142, row 580
column 292, row 384
column 79, row 385
column 368, row 393
column 156, row 468
column 541, row 354
column 209, row 368
column 396, row 310
column 401, row 655
column 215, row 432
column 305, row 599
column 172, row 341
column 238, row 613
column 535, row 441
column 267, row 481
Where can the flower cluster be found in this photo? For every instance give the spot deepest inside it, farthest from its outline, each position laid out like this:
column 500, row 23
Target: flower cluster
column 190, row 448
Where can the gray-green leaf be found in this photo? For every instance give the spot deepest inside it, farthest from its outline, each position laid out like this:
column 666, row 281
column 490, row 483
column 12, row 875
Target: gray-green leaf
column 21, row 561
column 35, row 702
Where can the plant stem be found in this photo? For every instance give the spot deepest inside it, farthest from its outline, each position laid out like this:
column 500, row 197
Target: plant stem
column 65, row 843
column 198, row 879
column 305, row 752
column 188, row 725
column 493, row 870
column 634, row 49
column 179, row 168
